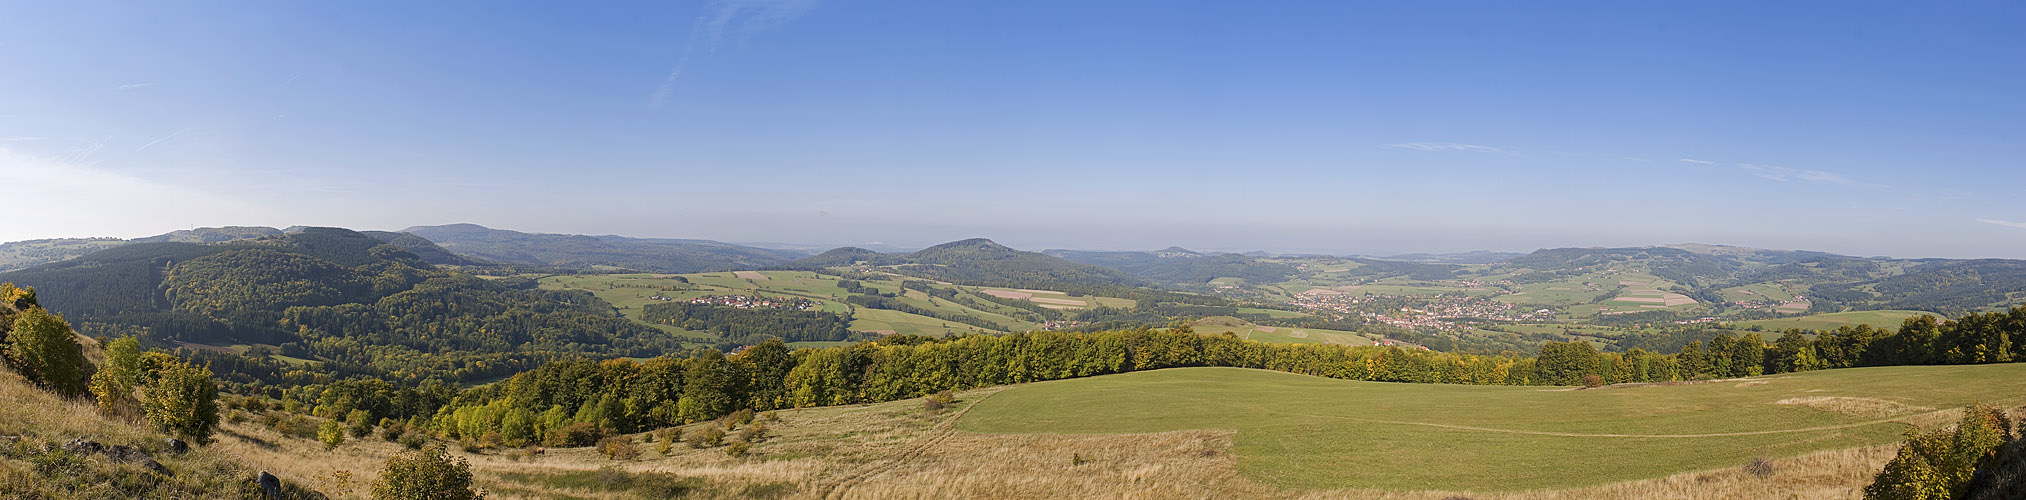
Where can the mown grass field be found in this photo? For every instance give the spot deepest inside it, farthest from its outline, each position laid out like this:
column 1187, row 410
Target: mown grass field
column 1304, row 432
column 1888, row 319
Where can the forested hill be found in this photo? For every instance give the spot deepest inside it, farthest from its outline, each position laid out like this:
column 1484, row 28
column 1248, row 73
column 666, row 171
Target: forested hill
column 1829, row 282
column 23, row 254
column 334, row 295
column 580, row 251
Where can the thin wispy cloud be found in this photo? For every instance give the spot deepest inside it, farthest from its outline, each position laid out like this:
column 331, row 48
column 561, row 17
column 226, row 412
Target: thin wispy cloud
column 171, row 135
column 1783, row 174
column 1449, row 146
column 132, row 86
column 2006, row 223
column 1695, row 161
column 745, row 17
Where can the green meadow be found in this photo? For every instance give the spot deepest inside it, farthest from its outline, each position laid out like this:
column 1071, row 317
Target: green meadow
column 1887, row 319
column 1307, row 432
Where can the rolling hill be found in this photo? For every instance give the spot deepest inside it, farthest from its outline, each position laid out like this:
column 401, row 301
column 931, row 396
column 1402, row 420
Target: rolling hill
column 1176, row 265
column 334, row 295
column 579, row 251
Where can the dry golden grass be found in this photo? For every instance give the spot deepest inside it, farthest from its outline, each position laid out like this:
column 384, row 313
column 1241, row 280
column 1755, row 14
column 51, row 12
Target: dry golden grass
column 1861, row 407
column 900, row 450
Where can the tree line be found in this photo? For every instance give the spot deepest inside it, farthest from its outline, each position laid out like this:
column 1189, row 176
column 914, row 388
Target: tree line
column 627, row 396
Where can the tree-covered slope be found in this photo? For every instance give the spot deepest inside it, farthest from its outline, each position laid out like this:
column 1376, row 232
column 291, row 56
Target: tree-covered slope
column 579, row 251
column 333, row 295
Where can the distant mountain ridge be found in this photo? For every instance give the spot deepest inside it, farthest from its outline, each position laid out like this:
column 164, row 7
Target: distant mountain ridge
column 662, row 255
column 1177, row 265
column 24, row 254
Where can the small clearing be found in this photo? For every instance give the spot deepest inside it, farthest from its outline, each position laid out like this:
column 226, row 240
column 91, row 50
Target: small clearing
column 751, row 275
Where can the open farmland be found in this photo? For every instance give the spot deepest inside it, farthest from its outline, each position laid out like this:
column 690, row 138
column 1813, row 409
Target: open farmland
column 1303, row 432
column 629, row 293
column 1887, row 319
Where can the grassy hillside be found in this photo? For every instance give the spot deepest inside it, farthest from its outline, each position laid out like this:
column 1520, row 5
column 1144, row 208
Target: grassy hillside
column 35, row 426
column 1305, row 432
column 1887, row 319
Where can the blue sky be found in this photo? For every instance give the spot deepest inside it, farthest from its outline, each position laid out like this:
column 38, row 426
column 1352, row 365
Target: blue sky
column 1860, row 128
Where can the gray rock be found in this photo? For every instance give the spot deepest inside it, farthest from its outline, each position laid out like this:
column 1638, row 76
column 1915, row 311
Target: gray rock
column 269, row 484
column 177, row 446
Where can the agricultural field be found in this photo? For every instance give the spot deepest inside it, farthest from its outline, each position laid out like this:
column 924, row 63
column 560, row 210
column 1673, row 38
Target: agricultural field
column 1279, row 335
column 1888, row 319
column 630, row 293
column 1301, row 432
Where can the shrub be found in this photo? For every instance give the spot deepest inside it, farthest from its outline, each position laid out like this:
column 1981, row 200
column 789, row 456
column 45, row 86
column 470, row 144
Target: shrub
column 754, row 433
column 391, row 429
column 737, row 449
column 413, row 439
column 424, row 475
column 331, row 435
column 706, row 437
column 360, row 423
column 45, row 351
column 1938, row 464
column 618, row 448
column 182, row 399
column 491, row 439
column 936, row 402
column 1593, row 381
column 576, row 434
column 115, row 381
column 1760, row 467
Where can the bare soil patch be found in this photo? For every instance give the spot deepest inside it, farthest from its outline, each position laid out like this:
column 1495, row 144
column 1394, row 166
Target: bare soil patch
column 751, row 275
column 1649, row 300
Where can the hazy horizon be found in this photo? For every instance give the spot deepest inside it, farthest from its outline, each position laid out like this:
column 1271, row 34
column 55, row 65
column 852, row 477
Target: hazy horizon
column 1296, row 128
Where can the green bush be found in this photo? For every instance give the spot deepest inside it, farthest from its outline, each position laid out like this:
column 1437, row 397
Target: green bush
column 331, row 435
column 424, row 475
column 618, row 448
column 181, row 399
column 1937, row 464
column 43, row 349
column 705, row 437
